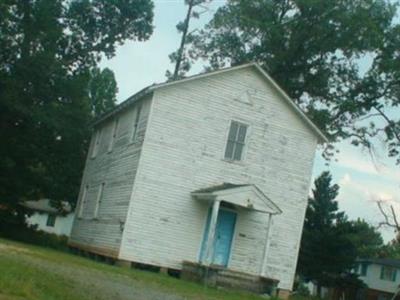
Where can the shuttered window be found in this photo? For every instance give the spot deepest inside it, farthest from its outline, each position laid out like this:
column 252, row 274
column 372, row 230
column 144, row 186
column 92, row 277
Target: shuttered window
column 236, row 141
column 96, row 143
column 114, row 135
column 388, row 273
column 51, row 220
column 363, row 269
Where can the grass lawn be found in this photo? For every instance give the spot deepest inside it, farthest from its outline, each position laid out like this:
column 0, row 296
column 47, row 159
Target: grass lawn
column 30, row 272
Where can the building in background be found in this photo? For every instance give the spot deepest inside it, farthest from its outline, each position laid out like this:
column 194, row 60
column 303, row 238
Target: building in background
column 381, row 275
column 48, row 218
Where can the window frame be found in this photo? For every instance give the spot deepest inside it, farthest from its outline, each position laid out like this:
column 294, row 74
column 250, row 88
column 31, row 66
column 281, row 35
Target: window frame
column 236, row 141
column 393, row 273
column 363, row 269
column 51, row 220
column 113, row 135
column 83, row 200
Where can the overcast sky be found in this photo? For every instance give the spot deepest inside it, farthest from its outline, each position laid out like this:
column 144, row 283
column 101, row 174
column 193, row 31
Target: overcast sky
column 363, row 180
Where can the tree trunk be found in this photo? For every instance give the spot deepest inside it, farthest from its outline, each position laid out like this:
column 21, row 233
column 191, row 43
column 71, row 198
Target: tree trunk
column 183, row 40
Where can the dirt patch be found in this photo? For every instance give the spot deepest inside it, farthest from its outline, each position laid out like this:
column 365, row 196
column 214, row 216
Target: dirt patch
column 102, row 285
column 11, row 248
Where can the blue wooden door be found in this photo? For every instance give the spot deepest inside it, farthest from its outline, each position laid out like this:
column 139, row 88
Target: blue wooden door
column 223, row 237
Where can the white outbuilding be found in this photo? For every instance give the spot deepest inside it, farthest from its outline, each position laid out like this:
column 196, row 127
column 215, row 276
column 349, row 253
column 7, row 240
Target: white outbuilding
column 213, row 170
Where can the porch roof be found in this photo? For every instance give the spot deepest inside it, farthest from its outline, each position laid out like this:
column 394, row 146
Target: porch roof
column 244, row 195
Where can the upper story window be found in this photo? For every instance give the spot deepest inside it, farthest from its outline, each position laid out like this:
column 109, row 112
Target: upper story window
column 138, row 111
column 388, row 273
column 114, row 135
column 236, row 141
column 96, row 143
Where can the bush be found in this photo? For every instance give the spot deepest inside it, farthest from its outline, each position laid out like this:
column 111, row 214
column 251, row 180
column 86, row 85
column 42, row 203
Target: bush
column 22, row 233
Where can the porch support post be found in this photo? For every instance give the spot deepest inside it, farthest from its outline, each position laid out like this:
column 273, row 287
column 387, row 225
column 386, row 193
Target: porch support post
column 211, row 232
column 266, row 247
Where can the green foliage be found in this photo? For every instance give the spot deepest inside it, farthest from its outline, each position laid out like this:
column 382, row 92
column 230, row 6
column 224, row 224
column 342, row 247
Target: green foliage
column 390, row 250
column 364, row 237
column 102, row 91
column 50, row 88
column 313, row 50
column 330, row 243
column 32, row 236
column 301, row 289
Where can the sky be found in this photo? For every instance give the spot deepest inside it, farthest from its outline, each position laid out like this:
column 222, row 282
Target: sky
column 363, row 178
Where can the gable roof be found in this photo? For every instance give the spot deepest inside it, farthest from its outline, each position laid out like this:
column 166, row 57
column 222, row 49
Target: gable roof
column 252, row 197
column 44, row 205
column 382, row 261
column 219, row 187
column 150, row 89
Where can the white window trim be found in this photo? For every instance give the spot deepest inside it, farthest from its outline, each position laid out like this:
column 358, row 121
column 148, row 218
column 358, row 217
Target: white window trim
column 114, row 135
column 98, row 200
column 244, row 150
column 83, row 201
column 136, row 122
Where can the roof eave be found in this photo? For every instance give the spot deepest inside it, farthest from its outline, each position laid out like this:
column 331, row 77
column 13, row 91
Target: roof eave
column 123, row 105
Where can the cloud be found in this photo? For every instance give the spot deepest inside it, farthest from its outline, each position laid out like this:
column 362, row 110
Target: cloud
column 356, row 161
column 367, row 190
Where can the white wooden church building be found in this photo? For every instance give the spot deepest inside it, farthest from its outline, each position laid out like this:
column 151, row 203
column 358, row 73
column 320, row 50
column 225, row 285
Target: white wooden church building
column 213, row 169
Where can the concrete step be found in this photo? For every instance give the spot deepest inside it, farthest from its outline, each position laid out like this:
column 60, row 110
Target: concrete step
column 238, row 275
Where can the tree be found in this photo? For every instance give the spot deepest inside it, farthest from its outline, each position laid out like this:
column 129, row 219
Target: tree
column 390, row 250
column 364, row 237
column 313, row 50
column 330, row 243
column 102, row 91
column 180, row 57
column 324, row 252
column 50, row 49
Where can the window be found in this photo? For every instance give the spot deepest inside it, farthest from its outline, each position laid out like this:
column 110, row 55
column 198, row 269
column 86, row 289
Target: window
column 98, row 201
column 136, row 123
column 114, row 135
column 388, row 273
column 236, row 140
column 96, row 143
column 83, row 201
column 51, row 220
column 363, row 269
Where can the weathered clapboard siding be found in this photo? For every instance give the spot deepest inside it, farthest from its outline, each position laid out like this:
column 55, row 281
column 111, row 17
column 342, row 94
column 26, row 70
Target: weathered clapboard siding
column 183, row 151
column 117, row 170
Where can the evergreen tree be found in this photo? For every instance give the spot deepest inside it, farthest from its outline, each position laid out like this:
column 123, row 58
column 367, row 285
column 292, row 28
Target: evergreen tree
column 330, row 243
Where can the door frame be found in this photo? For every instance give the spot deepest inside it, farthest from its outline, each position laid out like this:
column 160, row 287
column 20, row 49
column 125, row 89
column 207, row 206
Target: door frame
column 205, row 233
